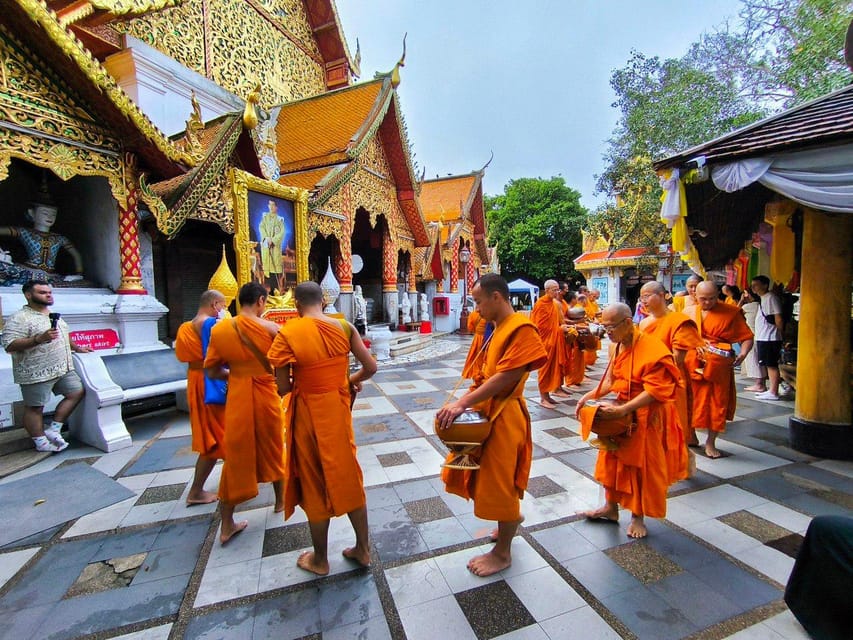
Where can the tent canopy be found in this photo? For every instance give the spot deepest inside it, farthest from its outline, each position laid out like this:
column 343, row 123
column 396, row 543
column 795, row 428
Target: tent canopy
column 520, row 286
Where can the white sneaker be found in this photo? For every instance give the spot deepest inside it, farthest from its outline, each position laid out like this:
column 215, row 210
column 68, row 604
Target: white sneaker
column 46, row 446
column 55, row 437
column 767, row 395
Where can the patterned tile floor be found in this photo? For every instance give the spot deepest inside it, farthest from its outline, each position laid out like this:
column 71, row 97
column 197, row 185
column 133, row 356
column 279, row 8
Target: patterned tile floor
column 714, row 568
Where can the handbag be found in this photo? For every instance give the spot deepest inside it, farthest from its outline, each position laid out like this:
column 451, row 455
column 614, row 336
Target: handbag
column 215, row 390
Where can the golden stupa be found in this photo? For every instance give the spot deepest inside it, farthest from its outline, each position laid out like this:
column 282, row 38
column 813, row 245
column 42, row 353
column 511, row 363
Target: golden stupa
column 224, row 281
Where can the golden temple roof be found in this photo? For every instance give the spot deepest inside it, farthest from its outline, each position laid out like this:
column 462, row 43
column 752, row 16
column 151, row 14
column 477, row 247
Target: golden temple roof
column 445, row 198
column 320, row 131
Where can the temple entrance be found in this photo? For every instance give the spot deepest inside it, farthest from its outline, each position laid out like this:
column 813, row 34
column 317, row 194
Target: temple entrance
column 323, row 250
column 183, row 267
column 367, row 243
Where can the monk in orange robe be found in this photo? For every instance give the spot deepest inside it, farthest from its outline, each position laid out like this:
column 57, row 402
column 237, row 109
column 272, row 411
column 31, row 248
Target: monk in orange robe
column 254, row 432
column 573, row 361
column 644, row 377
column 311, row 358
column 207, row 421
column 474, row 360
column 498, row 485
column 690, row 302
column 714, row 394
column 548, row 317
column 680, row 335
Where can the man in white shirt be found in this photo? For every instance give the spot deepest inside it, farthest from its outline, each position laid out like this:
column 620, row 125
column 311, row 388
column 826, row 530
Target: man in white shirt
column 768, row 334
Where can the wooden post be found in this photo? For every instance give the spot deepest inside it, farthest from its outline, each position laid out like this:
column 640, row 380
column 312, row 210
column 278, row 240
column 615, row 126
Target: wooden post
column 821, row 424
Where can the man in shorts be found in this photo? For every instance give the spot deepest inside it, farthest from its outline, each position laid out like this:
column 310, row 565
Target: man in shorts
column 768, row 335
column 41, row 364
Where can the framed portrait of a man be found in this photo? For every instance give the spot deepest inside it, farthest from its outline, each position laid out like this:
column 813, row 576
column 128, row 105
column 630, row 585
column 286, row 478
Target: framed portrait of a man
column 270, row 224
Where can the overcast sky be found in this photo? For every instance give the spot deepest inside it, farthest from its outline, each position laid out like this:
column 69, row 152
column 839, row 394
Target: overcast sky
column 529, row 79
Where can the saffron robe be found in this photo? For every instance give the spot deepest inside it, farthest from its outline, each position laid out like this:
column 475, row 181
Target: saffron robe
column 322, row 473
column 590, row 356
column 714, row 392
column 473, row 361
column 499, row 484
column 678, row 332
column 207, row 421
column 254, row 431
column 637, row 474
column 547, row 316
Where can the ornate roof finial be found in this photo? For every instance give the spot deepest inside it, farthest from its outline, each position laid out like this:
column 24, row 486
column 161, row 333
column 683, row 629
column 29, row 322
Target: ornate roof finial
column 250, row 113
column 492, row 157
column 395, row 72
column 357, row 60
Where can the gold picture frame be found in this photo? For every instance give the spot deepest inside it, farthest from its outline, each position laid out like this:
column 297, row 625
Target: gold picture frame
column 292, row 203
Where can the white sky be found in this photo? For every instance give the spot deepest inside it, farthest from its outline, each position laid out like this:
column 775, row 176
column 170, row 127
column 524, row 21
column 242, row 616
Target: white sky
column 529, row 80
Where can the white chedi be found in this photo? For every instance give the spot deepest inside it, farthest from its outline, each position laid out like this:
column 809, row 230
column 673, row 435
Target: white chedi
column 331, row 289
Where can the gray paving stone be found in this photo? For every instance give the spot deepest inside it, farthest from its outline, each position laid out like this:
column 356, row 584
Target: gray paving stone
column 699, row 603
column 289, row 616
column 648, row 615
column 736, row 584
column 163, row 454
column 354, row 600
column 600, row 574
column 236, row 622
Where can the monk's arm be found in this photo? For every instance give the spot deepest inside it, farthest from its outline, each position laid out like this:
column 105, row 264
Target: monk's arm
column 498, row 385
column 617, row 411
column 368, row 364
column 679, row 355
column 745, row 348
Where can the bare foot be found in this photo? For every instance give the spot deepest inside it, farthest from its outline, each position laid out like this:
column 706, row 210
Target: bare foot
column 607, row 513
column 307, row 561
column 712, row 452
column 637, row 528
column 202, row 497
column 755, row 388
column 357, row 555
column 488, row 564
column 231, row 530
column 561, row 394
column 278, row 508
column 547, row 403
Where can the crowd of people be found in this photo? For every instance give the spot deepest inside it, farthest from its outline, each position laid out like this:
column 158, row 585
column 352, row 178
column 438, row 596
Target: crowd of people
column 286, row 417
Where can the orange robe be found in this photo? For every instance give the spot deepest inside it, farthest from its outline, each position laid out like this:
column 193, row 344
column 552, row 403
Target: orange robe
column 590, row 356
column 637, row 474
column 254, row 432
column 678, row 303
column 207, row 421
column 323, row 475
column 499, row 484
column 547, row 316
column 678, row 332
column 474, row 359
column 714, row 393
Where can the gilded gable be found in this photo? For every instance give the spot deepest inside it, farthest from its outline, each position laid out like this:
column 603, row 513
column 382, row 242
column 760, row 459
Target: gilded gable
column 269, row 41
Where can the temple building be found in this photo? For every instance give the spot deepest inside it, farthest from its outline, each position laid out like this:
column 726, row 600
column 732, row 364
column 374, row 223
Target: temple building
column 453, row 207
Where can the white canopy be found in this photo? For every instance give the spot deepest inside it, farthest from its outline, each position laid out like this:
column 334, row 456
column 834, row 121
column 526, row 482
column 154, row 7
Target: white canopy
column 523, row 286
column 818, row 178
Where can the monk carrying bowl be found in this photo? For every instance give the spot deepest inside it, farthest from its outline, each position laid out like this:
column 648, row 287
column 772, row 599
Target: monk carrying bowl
column 468, row 431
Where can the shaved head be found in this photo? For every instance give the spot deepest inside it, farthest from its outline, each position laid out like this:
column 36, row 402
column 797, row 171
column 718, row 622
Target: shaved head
column 707, row 295
column 653, row 287
column 616, row 312
column 210, row 298
column 308, row 294
column 653, row 297
column 695, row 279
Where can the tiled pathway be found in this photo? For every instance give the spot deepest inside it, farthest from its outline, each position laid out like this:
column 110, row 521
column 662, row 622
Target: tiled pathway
column 714, row 568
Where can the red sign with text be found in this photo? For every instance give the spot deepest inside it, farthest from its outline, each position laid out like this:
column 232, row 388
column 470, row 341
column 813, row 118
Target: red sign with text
column 97, row 339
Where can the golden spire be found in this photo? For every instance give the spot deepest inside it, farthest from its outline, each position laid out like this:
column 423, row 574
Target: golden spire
column 250, row 113
column 395, row 73
column 224, row 281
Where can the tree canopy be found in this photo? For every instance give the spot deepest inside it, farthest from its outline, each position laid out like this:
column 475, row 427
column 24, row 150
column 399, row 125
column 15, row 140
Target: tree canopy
column 536, row 225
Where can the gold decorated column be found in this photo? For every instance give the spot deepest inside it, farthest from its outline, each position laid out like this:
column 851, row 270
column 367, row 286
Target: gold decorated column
column 128, row 244
column 821, row 425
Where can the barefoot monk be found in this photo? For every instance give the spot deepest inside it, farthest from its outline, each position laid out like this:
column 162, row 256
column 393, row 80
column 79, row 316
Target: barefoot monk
column 311, row 358
column 254, row 435
column 643, row 375
column 498, row 485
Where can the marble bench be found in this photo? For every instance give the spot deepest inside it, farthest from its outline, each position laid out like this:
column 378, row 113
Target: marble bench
column 111, row 380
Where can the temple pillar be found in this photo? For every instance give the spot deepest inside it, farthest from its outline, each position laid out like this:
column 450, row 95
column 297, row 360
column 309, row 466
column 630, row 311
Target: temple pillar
column 128, row 242
column 471, row 273
column 454, row 269
column 343, row 273
column 389, row 277
column 821, row 425
column 412, row 292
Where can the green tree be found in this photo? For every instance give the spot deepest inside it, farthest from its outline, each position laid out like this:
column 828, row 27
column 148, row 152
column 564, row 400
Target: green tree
column 536, row 225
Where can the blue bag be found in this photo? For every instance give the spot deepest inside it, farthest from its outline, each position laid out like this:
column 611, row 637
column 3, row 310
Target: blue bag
column 214, row 390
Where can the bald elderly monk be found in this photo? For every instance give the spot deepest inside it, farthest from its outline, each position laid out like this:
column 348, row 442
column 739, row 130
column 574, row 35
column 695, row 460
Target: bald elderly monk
column 547, row 315
column 687, row 302
column 207, row 421
column 643, row 375
column 311, row 358
column 714, row 395
column 680, row 335
column 254, row 433
column 498, row 485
